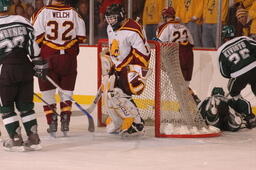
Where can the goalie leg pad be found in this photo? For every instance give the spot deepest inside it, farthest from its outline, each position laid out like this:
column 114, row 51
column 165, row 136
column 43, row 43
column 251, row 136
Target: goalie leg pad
column 106, row 62
column 121, row 107
column 113, row 122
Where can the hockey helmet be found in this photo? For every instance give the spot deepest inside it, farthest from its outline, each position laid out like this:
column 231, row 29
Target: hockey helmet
column 228, row 32
column 218, row 91
column 66, row 2
column 168, row 12
column 114, row 15
column 4, row 5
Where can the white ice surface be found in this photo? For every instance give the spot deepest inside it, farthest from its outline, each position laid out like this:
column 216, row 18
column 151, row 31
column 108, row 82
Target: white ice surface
column 99, row 151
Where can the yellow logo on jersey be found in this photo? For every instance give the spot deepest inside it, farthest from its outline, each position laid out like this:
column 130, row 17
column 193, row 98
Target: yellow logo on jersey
column 114, row 48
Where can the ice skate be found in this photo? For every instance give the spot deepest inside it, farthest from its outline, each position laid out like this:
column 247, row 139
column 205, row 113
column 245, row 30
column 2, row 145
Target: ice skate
column 137, row 129
column 33, row 142
column 65, row 124
column 53, row 126
column 15, row 144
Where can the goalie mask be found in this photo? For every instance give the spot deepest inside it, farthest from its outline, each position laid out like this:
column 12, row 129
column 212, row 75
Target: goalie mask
column 114, row 15
column 4, row 5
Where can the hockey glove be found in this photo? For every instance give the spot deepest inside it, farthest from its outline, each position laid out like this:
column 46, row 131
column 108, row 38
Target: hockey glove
column 40, row 67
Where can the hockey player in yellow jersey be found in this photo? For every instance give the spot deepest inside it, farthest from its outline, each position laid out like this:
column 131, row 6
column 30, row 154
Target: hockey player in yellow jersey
column 209, row 26
column 129, row 56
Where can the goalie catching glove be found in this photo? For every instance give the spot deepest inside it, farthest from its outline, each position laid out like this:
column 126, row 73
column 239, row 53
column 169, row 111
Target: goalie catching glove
column 40, row 67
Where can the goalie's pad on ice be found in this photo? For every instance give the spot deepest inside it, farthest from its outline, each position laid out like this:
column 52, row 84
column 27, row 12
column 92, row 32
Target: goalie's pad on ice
column 122, row 111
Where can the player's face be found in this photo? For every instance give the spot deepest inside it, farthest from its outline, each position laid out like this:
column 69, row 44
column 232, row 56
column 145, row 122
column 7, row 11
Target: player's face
column 111, row 20
column 242, row 20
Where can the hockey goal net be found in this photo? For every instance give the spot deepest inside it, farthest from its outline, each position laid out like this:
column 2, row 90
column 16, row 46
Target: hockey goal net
column 165, row 103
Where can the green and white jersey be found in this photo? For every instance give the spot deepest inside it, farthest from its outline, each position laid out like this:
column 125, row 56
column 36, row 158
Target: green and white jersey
column 237, row 56
column 16, row 34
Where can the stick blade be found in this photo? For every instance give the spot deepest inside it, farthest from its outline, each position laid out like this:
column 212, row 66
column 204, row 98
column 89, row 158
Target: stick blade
column 91, row 127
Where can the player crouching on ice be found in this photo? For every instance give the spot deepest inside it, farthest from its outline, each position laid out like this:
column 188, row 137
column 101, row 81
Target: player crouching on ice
column 17, row 48
column 125, row 68
column 227, row 114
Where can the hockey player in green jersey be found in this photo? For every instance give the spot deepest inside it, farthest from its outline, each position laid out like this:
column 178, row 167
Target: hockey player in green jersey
column 237, row 62
column 16, row 79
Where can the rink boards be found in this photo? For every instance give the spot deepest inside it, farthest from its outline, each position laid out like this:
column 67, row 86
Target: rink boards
column 206, row 75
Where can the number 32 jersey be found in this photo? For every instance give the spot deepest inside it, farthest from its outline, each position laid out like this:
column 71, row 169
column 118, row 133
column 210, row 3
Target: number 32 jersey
column 237, row 56
column 58, row 27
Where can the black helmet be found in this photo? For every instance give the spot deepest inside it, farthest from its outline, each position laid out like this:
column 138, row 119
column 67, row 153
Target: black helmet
column 114, row 15
column 218, row 91
column 228, row 31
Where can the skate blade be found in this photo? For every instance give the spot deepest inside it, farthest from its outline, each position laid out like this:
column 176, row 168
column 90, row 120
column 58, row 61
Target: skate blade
column 52, row 134
column 65, row 133
column 15, row 149
column 33, row 148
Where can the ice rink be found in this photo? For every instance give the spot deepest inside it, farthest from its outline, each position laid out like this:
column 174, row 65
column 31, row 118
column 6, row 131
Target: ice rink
column 99, row 151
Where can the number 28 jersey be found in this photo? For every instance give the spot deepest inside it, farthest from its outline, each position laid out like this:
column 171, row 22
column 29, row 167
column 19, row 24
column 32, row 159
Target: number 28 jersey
column 237, row 56
column 58, row 27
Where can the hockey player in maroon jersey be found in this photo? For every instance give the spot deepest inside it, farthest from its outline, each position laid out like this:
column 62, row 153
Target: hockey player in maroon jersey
column 172, row 31
column 17, row 42
column 59, row 29
column 129, row 56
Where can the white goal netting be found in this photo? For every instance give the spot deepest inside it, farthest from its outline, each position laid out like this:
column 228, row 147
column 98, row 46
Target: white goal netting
column 166, row 102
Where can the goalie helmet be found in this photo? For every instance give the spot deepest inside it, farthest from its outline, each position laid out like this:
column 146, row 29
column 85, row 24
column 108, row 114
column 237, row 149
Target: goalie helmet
column 114, row 15
column 168, row 12
column 218, row 91
column 228, row 32
column 4, row 5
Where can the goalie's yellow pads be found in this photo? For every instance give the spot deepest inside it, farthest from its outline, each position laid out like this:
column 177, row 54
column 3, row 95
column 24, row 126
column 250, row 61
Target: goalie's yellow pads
column 106, row 62
column 126, row 123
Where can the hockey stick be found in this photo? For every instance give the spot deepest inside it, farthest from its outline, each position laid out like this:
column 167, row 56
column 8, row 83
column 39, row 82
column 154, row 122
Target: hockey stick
column 40, row 98
column 91, row 127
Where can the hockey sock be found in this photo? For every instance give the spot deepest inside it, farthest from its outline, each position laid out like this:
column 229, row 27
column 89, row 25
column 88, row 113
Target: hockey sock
column 11, row 123
column 29, row 120
column 49, row 112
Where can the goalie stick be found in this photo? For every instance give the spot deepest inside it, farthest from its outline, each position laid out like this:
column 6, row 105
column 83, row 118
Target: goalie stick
column 91, row 127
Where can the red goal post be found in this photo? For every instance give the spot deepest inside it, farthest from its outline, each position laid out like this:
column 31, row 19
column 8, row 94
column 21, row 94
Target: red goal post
column 166, row 102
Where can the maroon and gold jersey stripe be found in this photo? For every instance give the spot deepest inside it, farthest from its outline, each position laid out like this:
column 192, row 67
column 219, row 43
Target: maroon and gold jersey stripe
column 60, row 47
column 131, row 25
column 163, row 26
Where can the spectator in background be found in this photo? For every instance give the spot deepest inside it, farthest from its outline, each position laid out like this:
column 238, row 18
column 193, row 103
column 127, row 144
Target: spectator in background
column 19, row 10
column 39, row 4
column 103, row 24
column 14, row 4
column 252, row 15
column 209, row 25
column 30, row 11
column 232, row 19
column 152, row 16
column 244, row 3
column 190, row 13
column 83, row 10
column 244, row 21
